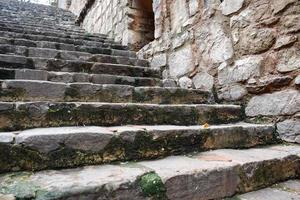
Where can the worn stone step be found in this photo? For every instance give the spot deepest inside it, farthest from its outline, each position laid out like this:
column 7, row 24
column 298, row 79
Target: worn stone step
column 17, row 62
column 45, row 52
column 77, row 29
column 23, row 115
column 52, row 32
column 210, row 175
column 44, row 32
column 36, row 62
column 34, row 90
column 38, row 21
column 50, row 148
column 289, row 190
column 59, row 46
column 54, row 39
column 67, row 77
column 39, row 16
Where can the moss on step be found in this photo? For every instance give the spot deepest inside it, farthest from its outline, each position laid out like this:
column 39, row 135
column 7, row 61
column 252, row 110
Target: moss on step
column 152, row 186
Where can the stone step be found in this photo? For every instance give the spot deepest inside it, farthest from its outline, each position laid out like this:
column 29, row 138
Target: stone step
column 74, row 56
column 63, row 147
column 28, row 90
column 17, row 62
column 289, row 190
column 14, row 35
column 210, row 175
column 37, row 21
column 41, row 30
column 59, row 54
column 24, row 115
column 38, row 16
column 75, row 29
column 67, row 77
column 44, row 32
column 59, row 46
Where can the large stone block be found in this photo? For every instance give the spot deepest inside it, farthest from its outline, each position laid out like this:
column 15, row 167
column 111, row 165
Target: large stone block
column 289, row 130
column 285, row 102
column 242, row 70
column 231, row 6
column 181, row 62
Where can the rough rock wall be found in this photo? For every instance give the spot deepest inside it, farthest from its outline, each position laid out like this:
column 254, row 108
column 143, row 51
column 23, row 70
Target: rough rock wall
column 76, row 6
column 245, row 51
column 128, row 21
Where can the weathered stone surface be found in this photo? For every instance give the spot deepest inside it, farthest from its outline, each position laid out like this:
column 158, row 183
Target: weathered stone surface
column 7, row 197
column 261, row 40
column 181, row 62
column 72, row 146
column 7, row 137
column 232, row 92
column 159, row 61
column 45, row 89
column 242, row 70
column 224, row 171
column 93, row 139
column 13, row 90
column 268, row 83
column 169, row 83
column 218, row 46
column 285, row 102
column 289, row 190
column 289, row 60
column 228, row 7
column 203, row 81
column 289, row 130
column 185, row 82
column 297, row 80
column 80, row 183
column 284, row 41
column 50, row 114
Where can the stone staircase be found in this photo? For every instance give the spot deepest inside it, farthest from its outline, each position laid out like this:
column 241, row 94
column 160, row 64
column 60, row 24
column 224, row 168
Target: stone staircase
column 81, row 117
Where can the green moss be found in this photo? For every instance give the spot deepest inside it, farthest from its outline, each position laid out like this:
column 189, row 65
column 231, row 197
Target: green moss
column 152, row 186
column 233, row 198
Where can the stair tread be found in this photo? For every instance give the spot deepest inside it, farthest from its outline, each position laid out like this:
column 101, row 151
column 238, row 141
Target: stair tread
column 29, row 90
column 201, row 174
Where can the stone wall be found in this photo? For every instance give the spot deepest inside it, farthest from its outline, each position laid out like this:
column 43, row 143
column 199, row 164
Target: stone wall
column 128, row 21
column 244, row 51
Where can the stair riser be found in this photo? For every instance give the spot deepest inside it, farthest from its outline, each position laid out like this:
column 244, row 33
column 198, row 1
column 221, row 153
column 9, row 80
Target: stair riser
column 18, row 116
column 12, row 62
column 65, row 77
column 46, row 91
column 33, row 152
